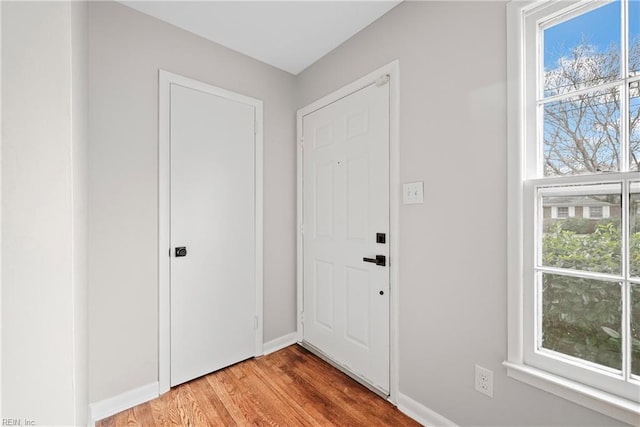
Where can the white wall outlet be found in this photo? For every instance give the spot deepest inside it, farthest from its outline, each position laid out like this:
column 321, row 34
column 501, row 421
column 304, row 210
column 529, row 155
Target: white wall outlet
column 413, row 193
column 484, row 381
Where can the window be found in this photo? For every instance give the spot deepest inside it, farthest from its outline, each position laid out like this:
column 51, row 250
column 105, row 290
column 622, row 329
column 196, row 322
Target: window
column 560, row 212
column 563, row 211
column 595, row 212
column 575, row 140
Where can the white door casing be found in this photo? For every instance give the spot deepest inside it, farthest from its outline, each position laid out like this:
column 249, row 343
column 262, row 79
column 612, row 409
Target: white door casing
column 210, row 301
column 346, row 305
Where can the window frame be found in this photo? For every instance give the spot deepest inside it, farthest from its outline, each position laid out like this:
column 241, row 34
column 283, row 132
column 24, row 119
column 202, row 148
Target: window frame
column 522, row 25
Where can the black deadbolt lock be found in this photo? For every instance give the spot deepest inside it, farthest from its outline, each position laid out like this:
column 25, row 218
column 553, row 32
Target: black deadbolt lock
column 181, row 251
column 381, row 238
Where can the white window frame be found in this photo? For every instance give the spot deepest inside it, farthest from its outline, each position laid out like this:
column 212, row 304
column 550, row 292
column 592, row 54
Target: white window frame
column 521, row 27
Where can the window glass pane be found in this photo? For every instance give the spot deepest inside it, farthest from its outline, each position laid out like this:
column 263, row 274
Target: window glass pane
column 563, row 212
column 595, row 212
column 581, row 134
column 634, row 229
column 582, row 318
column 583, row 51
column 634, row 126
column 635, row 329
column 634, row 37
column 582, row 242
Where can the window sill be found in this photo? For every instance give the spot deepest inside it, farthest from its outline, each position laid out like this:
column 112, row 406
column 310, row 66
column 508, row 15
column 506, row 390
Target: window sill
column 597, row 400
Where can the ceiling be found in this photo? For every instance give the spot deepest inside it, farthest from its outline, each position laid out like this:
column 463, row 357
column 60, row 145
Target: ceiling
column 290, row 35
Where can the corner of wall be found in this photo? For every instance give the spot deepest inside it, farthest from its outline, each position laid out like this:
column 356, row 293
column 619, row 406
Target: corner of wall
column 79, row 165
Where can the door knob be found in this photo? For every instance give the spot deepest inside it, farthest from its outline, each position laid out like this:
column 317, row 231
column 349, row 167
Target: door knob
column 378, row 260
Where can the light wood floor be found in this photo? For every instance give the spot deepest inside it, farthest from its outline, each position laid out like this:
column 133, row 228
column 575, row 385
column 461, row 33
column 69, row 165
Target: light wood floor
column 291, row 387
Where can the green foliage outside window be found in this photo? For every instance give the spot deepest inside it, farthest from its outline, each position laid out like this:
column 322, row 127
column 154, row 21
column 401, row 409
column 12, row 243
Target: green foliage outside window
column 582, row 317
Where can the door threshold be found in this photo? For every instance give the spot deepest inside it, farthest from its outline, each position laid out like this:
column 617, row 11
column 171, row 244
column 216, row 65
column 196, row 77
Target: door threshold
column 345, row 370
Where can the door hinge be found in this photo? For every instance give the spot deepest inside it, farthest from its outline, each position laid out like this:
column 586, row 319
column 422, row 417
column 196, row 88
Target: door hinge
column 256, row 322
column 302, row 317
column 302, row 141
column 302, row 229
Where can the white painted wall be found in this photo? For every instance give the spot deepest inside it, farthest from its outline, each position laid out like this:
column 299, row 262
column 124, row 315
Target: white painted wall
column 453, row 289
column 80, row 196
column 126, row 49
column 43, row 197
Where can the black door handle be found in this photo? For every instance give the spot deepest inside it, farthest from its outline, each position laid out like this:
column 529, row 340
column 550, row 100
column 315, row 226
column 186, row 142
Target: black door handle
column 378, row 260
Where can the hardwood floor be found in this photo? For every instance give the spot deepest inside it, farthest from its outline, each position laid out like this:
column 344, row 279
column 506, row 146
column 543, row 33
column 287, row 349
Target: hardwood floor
column 291, row 387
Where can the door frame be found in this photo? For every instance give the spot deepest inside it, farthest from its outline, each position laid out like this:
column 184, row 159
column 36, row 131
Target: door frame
column 393, row 71
column 165, row 80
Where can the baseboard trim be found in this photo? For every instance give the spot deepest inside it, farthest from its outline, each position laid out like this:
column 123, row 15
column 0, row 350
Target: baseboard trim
column 280, row 343
column 422, row 414
column 111, row 406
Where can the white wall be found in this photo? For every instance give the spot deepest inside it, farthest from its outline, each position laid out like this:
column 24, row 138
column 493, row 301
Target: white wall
column 80, row 196
column 126, row 49
column 453, row 289
column 43, row 194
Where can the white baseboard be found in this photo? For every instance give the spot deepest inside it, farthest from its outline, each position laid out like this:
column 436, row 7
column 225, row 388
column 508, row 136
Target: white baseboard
column 106, row 408
column 280, row 343
column 111, row 406
column 422, row 414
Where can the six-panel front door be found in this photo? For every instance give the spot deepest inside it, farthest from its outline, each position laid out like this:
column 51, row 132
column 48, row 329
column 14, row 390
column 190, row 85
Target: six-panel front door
column 213, row 234
column 345, row 215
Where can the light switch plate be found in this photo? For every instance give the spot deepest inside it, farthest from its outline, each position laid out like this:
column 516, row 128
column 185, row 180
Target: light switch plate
column 413, row 193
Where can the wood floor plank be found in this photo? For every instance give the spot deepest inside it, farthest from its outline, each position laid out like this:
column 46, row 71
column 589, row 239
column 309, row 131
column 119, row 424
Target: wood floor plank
column 212, row 407
column 189, row 407
column 291, row 387
column 274, row 386
column 226, row 392
column 126, row 418
column 328, row 400
column 244, row 398
column 172, row 411
column 262, row 404
column 376, row 411
column 144, row 416
column 282, row 411
column 159, row 412
column 337, row 406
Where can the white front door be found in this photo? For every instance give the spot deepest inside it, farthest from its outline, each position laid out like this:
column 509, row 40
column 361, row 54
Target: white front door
column 346, row 218
column 213, row 312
